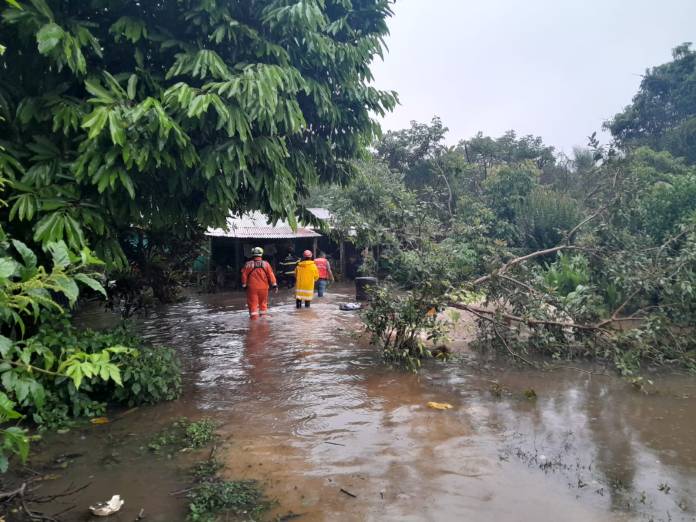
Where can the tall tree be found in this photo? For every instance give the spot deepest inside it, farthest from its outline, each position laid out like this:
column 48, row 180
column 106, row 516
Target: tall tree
column 663, row 112
column 167, row 115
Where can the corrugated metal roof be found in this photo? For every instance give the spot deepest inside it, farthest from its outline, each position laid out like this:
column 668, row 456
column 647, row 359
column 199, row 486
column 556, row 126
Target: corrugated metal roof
column 321, row 213
column 255, row 225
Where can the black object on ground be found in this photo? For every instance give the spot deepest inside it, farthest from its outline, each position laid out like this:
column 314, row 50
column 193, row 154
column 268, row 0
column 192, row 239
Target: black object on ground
column 362, row 286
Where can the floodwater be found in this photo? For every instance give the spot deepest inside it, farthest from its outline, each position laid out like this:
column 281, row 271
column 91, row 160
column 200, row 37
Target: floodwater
column 306, row 407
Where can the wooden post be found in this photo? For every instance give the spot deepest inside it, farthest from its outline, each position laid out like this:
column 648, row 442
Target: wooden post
column 314, row 247
column 342, row 258
column 238, row 259
column 210, row 276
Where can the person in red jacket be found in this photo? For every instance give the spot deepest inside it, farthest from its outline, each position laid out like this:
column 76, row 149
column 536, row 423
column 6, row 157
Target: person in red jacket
column 257, row 278
column 325, row 273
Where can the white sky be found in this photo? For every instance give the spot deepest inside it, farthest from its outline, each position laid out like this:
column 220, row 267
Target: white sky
column 554, row 68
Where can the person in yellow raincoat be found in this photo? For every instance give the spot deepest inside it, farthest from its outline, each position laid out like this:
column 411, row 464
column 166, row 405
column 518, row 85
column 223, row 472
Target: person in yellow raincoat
column 306, row 274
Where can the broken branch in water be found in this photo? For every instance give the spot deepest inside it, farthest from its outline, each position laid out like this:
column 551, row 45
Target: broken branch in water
column 348, row 493
column 51, row 498
column 487, row 314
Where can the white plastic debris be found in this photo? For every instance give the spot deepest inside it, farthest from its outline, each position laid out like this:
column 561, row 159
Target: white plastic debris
column 349, row 307
column 111, row 506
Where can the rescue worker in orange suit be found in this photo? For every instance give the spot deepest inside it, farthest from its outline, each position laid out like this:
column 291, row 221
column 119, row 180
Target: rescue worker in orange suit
column 257, row 279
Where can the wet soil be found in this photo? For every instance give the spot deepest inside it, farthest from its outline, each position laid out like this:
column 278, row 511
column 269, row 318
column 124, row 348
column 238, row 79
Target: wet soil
column 306, row 407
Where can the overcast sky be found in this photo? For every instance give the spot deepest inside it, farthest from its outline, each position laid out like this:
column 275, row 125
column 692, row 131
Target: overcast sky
column 554, row 68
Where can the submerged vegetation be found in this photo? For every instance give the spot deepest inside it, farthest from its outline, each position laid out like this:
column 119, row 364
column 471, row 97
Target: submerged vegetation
column 184, row 434
column 212, row 498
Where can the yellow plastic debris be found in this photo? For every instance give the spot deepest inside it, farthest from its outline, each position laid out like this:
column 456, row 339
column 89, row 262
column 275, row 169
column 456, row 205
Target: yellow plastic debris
column 439, row 405
column 99, row 420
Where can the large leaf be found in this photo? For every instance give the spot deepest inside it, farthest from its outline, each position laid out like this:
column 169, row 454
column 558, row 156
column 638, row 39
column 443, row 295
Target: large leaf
column 90, row 282
column 8, row 267
column 59, row 254
column 68, row 286
column 95, row 121
column 48, row 37
column 5, row 345
column 27, row 255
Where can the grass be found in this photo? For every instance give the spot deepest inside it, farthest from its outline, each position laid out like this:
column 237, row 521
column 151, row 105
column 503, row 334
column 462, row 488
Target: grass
column 184, row 434
column 242, row 498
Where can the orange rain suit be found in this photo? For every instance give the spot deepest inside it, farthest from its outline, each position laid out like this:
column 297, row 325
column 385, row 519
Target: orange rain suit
column 257, row 278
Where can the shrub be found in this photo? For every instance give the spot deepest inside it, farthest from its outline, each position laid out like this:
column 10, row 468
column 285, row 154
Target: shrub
column 400, row 321
column 147, row 374
column 544, row 217
column 567, row 273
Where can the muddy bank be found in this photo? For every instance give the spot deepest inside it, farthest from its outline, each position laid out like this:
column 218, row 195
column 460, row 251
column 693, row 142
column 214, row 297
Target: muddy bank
column 309, row 410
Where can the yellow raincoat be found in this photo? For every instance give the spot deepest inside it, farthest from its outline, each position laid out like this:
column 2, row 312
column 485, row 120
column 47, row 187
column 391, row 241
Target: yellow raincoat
column 306, row 274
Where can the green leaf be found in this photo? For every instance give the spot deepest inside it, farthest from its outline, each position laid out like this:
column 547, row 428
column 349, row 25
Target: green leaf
column 95, row 121
column 132, row 84
column 48, row 37
column 5, row 345
column 27, row 255
column 115, row 374
column 91, row 283
column 17, row 441
column 118, row 135
column 8, row 267
column 95, row 89
column 7, row 410
column 68, row 287
column 42, row 7
column 75, row 373
column 127, row 183
column 59, row 254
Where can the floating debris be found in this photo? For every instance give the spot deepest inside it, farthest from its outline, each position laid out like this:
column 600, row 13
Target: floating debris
column 111, row 506
column 439, row 405
column 350, row 307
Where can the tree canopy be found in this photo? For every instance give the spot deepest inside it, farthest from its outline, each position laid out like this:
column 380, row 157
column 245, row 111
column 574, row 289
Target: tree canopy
column 167, row 115
column 663, row 111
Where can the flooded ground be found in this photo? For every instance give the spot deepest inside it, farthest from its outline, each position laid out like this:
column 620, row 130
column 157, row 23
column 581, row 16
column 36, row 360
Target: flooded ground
column 307, row 408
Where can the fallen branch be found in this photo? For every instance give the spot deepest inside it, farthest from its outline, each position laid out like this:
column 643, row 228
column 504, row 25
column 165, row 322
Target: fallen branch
column 51, row 498
column 522, row 259
column 577, row 227
column 507, row 346
column 477, row 310
column 7, row 495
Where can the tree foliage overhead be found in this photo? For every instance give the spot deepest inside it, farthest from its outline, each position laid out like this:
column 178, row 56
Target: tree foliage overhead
column 663, row 111
column 166, row 115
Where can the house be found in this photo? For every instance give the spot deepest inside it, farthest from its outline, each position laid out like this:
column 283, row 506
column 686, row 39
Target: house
column 231, row 245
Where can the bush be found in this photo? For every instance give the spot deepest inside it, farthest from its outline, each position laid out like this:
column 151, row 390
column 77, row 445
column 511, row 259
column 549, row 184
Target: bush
column 154, row 376
column 544, row 218
column 442, row 264
column 568, row 272
column 147, row 374
column 400, row 321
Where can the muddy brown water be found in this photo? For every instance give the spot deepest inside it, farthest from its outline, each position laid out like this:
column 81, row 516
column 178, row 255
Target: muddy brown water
column 306, row 407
